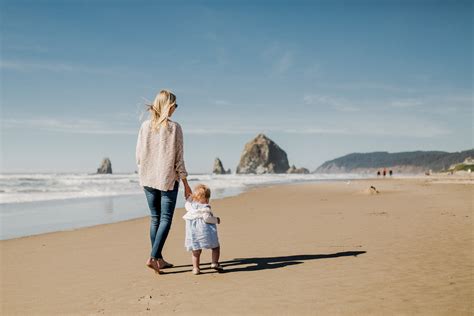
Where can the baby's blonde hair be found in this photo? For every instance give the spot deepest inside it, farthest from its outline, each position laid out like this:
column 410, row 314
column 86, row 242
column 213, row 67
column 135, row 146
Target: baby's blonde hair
column 201, row 192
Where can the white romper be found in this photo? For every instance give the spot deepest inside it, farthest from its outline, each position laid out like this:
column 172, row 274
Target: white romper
column 201, row 228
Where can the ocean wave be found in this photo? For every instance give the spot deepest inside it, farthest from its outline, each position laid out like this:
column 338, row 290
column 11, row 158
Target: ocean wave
column 20, row 188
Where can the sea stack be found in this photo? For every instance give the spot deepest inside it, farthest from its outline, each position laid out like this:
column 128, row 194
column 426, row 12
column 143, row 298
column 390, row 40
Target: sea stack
column 262, row 155
column 293, row 169
column 219, row 167
column 105, row 167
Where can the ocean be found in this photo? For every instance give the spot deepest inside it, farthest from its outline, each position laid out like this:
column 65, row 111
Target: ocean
column 37, row 203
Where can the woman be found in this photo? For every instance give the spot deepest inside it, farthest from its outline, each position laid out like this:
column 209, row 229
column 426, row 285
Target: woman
column 159, row 156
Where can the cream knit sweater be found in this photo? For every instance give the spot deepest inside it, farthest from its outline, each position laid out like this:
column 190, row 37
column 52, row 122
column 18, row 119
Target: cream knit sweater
column 159, row 156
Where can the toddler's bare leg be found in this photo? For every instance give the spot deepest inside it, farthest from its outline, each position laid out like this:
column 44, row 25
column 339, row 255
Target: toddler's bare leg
column 196, row 258
column 216, row 252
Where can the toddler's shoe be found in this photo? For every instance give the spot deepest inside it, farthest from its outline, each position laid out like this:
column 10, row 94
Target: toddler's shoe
column 196, row 271
column 217, row 266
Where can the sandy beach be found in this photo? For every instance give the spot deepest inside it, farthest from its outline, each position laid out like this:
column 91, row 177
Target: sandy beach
column 303, row 249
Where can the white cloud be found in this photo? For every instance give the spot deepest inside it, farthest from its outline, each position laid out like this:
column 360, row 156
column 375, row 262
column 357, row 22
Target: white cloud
column 222, row 102
column 27, row 66
column 212, row 130
column 406, row 103
column 27, row 47
column 87, row 126
column 435, row 104
column 414, row 130
column 372, row 126
column 252, row 130
column 372, row 86
column 313, row 70
column 338, row 104
column 283, row 63
column 60, row 125
column 314, row 130
column 279, row 58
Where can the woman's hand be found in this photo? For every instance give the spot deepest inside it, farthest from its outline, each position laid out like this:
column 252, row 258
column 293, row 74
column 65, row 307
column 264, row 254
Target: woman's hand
column 187, row 189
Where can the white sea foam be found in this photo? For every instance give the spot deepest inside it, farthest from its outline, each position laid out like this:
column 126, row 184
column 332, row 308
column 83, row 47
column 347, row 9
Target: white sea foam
column 20, row 188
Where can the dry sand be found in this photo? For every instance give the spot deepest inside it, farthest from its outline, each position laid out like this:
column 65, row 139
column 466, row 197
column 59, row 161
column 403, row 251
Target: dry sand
column 327, row 249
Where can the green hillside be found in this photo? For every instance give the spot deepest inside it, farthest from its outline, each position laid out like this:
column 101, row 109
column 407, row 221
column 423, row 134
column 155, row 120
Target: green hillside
column 434, row 160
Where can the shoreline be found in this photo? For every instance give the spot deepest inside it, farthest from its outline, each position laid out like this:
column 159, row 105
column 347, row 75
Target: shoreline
column 436, row 178
column 114, row 205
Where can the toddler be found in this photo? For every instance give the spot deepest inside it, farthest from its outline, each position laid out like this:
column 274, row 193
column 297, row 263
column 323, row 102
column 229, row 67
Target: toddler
column 201, row 229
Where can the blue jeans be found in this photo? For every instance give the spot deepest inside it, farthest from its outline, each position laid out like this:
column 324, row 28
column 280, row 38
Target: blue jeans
column 161, row 204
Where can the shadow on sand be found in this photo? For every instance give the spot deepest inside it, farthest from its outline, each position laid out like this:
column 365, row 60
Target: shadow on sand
column 263, row 263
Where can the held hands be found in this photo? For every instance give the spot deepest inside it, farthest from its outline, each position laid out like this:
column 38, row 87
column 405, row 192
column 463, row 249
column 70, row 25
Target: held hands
column 187, row 191
column 218, row 220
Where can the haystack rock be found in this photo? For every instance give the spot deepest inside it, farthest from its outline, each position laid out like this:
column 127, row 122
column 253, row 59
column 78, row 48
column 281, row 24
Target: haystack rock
column 219, row 167
column 105, row 166
column 262, row 155
column 293, row 169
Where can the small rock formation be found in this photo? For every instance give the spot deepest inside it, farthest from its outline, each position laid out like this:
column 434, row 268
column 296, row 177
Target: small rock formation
column 293, row 169
column 262, row 155
column 219, row 167
column 105, row 166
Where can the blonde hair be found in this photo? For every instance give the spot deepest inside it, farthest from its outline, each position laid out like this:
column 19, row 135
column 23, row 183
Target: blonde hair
column 160, row 109
column 201, row 192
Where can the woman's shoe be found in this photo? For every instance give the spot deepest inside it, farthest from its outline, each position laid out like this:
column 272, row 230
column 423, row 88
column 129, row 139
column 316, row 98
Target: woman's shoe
column 152, row 264
column 217, row 266
column 166, row 265
column 149, row 263
column 196, row 271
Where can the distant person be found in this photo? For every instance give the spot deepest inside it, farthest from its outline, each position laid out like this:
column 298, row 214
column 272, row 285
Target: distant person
column 378, row 173
column 384, row 172
column 390, row 172
column 159, row 156
column 201, row 229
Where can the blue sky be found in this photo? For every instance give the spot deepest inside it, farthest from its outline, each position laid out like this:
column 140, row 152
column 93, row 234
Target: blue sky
column 321, row 78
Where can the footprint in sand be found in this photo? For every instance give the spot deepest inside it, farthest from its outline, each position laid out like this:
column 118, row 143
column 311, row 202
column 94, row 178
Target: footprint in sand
column 378, row 213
